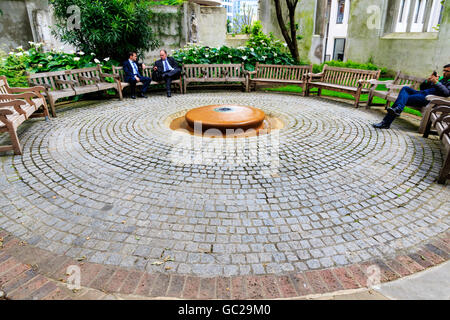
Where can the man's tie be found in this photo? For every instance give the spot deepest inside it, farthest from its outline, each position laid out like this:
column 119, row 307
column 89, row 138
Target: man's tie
column 166, row 66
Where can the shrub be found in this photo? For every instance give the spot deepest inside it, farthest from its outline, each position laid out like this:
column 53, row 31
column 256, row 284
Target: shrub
column 259, row 48
column 109, row 28
column 348, row 64
column 18, row 62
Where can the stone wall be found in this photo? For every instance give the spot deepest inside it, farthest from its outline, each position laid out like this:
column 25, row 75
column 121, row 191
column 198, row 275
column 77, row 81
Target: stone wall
column 15, row 28
column 417, row 53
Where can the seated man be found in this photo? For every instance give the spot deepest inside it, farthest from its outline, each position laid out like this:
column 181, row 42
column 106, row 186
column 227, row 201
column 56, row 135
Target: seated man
column 166, row 69
column 132, row 75
column 408, row 96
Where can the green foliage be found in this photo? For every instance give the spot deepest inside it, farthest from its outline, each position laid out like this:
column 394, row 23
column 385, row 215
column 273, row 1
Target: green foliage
column 348, row 64
column 167, row 3
column 260, row 48
column 18, row 62
column 109, row 28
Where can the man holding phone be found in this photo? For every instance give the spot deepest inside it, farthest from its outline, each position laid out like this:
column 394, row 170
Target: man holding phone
column 408, row 96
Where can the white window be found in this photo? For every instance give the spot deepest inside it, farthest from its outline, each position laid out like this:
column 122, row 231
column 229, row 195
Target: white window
column 402, row 17
column 418, row 17
column 435, row 16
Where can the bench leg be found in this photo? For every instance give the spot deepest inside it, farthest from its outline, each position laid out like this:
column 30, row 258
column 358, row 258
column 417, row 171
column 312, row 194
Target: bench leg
column 119, row 91
column 357, row 97
column 319, row 91
column 443, row 174
column 369, row 100
column 52, row 106
column 425, row 119
column 15, row 141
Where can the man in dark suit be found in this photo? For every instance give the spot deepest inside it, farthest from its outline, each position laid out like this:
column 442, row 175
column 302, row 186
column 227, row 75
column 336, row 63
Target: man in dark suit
column 166, row 69
column 132, row 75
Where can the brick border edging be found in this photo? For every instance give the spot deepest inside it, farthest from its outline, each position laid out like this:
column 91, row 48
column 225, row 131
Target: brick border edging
column 28, row 272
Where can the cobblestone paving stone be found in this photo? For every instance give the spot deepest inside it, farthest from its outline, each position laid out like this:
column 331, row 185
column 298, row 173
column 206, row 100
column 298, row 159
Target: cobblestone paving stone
column 114, row 184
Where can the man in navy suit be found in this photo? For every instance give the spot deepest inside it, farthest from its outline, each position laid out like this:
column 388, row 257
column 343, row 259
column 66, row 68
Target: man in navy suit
column 166, row 69
column 132, row 75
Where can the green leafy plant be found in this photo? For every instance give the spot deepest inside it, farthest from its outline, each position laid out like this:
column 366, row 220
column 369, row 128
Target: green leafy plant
column 18, row 62
column 109, row 28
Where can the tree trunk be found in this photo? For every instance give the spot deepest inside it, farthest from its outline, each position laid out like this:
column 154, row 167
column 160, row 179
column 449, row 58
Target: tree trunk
column 289, row 36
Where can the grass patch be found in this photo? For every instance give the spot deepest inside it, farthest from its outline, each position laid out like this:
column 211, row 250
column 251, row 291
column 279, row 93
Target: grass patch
column 335, row 94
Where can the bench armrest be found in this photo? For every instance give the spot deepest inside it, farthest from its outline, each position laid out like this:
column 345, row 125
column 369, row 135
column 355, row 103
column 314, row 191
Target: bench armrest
column 31, row 89
column 14, row 96
column 71, row 83
column 86, row 79
column 310, row 75
column 438, row 100
column 13, row 103
column 110, row 75
column 396, row 86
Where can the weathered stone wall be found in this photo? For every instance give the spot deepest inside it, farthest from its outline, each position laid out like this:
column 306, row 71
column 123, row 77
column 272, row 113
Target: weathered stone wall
column 212, row 26
column 15, row 28
column 414, row 53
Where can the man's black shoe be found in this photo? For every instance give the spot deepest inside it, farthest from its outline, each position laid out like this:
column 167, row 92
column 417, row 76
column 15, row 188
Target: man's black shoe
column 142, row 95
column 169, row 94
column 133, row 97
column 380, row 125
column 393, row 111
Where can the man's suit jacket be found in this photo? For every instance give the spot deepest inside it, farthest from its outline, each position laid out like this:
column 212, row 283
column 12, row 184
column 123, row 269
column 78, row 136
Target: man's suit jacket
column 172, row 62
column 129, row 72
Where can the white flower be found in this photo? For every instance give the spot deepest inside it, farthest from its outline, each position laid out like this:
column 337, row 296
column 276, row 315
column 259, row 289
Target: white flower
column 92, row 54
column 206, row 55
column 31, row 43
column 19, row 48
column 50, row 57
column 11, row 53
column 72, row 51
column 81, row 53
column 19, row 54
column 27, row 53
column 96, row 61
column 229, row 56
column 275, row 54
column 40, row 65
column 106, row 59
column 61, row 48
column 285, row 44
column 251, row 49
column 76, row 58
column 244, row 57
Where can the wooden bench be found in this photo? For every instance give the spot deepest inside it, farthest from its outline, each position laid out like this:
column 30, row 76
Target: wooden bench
column 440, row 120
column 347, row 80
column 394, row 86
column 69, row 83
column 16, row 106
column 278, row 74
column 146, row 72
column 201, row 73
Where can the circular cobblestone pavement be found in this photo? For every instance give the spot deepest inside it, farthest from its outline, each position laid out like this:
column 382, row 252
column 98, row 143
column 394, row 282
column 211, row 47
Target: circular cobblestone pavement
column 113, row 183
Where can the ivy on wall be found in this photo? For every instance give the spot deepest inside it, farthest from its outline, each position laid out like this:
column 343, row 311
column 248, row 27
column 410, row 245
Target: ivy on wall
column 163, row 22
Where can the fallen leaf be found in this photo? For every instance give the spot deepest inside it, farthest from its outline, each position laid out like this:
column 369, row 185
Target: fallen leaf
column 81, row 258
column 54, row 197
column 88, row 238
column 168, row 268
column 157, row 263
column 124, row 221
column 422, row 257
